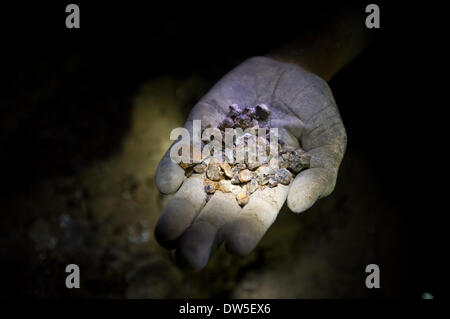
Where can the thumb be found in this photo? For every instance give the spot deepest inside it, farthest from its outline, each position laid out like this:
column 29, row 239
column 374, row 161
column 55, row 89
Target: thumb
column 169, row 175
column 308, row 187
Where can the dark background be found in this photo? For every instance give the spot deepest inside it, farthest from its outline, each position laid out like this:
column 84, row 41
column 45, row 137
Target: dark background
column 390, row 99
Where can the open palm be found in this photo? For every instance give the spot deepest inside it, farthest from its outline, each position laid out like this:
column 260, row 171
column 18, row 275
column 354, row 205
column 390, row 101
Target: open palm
column 303, row 109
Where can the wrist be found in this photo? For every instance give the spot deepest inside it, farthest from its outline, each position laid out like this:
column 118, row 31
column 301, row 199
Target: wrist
column 326, row 49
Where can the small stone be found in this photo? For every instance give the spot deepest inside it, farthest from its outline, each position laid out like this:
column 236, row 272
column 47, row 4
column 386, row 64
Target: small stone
column 200, row 168
column 284, row 163
column 288, row 149
column 283, row 176
column 227, row 169
column 210, row 186
column 252, row 186
column 262, row 174
column 241, row 166
column 245, row 175
column 242, row 198
column 243, row 121
column 235, row 189
column 298, row 162
column 235, row 179
column 235, row 170
column 262, row 112
column 227, row 122
column 214, row 172
column 207, row 159
column 272, row 182
column 234, row 110
column 225, row 186
column 284, row 159
column 186, row 165
column 253, row 165
column 250, row 111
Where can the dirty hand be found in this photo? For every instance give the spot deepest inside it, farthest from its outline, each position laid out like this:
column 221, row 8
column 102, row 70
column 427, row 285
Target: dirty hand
column 303, row 109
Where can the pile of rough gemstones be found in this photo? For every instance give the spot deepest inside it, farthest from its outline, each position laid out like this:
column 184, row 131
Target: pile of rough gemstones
column 243, row 179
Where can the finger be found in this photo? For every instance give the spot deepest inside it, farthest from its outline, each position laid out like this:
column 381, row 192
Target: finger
column 201, row 238
column 307, row 188
column 169, row 175
column 180, row 211
column 325, row 139
column 318, row 181
column 243, row 233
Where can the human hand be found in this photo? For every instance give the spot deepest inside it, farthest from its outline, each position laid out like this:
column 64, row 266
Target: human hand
column 304, row 111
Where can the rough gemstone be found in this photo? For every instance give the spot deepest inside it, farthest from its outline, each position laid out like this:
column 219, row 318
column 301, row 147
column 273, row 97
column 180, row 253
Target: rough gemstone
column 245, row 175
column 252, row 186
column 214, row 172
column 262, row 112
column 200, row 168
column 283, row 176
column 210, row 186
column 227, row 169
column 242, row 198
column 272, row 182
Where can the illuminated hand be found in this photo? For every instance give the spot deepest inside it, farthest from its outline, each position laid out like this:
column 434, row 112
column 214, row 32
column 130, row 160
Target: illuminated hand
column 303, row 109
